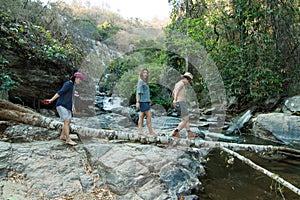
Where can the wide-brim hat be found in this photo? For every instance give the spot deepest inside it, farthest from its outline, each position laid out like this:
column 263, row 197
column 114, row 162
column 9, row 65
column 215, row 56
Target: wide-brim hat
column 188, row 75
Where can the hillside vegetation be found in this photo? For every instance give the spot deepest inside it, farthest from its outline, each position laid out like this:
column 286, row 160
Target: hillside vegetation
column 254, row 46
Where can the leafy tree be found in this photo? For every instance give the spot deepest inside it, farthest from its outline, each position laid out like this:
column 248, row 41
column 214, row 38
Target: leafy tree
column 35, row 42
column 6, row 82
column 253, row 43
column 107, row 30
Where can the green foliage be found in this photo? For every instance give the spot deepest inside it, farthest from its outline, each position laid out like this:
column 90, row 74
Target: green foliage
column 124, row 75
column 115, row 71
column 27, row 34
column 252, row 43
column 107, row 30
column 6, row 82
column 126, row 85
column 54, row 52
column 161, row 95
column 35, row 41
column 242, row 77
column 142, row 57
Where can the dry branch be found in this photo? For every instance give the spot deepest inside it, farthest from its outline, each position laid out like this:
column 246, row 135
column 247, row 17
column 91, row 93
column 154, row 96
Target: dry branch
column 10, row 106
column 10, row 111
column 262, row 170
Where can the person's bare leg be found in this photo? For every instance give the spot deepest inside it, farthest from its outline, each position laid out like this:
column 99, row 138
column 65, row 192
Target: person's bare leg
column 187, row 124
column 140, row 123
column 62, row 134
column 149, row 124
column 66, row 130
column 183, row 123
column 190, row 134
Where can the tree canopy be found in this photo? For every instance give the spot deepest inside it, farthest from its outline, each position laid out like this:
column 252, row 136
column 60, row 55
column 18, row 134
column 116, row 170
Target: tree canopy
column 254, row 45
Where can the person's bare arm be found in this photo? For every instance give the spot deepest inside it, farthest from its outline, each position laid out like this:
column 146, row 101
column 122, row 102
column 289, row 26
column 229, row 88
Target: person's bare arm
column 137, row 104
column 54, row 98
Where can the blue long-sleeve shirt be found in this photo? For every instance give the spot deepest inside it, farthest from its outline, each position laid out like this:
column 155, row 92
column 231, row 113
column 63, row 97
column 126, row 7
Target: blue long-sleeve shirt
column 66, row 94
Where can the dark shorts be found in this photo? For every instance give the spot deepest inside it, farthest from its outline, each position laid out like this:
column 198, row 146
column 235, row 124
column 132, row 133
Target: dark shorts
column 182, row 109
column 144, row 106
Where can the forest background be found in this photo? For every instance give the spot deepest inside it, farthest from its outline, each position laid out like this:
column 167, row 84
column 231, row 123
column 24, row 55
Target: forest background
column 254, row 45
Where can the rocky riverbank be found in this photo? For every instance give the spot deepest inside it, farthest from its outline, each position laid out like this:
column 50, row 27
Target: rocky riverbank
column 37, row 165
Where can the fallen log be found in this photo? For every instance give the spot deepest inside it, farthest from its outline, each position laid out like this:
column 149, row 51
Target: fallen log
column 24, row 115
column 10, row 106
column 17, row 113
column 263, row 170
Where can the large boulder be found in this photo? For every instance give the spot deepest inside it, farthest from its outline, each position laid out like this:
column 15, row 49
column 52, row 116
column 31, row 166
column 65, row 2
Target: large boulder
column 292, row 105
column 277, row 127
column 37, row 165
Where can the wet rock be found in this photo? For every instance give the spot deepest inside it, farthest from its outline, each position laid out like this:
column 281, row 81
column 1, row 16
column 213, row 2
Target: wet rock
column 238, row 124
column 52, row 169
column 292, row 106
column 277, row 127
column 5, row 154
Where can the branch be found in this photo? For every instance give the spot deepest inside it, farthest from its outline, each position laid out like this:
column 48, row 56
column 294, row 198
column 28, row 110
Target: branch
column 262, row 170
column 10, row 111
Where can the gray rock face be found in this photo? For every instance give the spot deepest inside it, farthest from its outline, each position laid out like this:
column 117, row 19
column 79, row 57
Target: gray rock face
column 292, row 105
column 36, row 82
column 135, row 171
column 47, row 168
column 5, row 154
column 278, row 127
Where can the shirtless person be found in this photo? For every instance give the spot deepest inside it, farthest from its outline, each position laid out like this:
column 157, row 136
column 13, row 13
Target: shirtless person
column 181, row 106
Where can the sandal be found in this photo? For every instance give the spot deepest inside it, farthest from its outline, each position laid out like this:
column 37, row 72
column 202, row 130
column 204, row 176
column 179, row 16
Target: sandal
column 191, row 134
column 153, row 134
column 141, row 133
column 71, row 142
column 176, row 134
column 62, row 137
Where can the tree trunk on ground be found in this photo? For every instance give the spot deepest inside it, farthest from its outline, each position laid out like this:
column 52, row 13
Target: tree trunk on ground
column 262, row 170
column 10, row 111
column 14, row 112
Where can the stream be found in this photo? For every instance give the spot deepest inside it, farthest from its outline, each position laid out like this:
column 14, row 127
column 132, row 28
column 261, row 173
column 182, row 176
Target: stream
column 239, row 181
